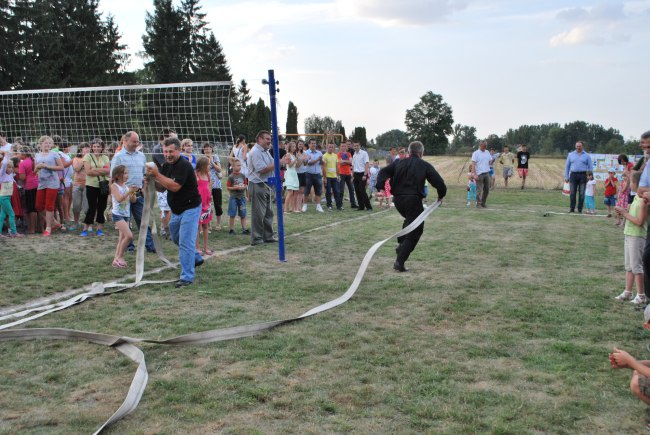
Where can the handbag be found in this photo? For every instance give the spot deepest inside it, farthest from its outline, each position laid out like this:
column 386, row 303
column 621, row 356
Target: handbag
column 103, row 184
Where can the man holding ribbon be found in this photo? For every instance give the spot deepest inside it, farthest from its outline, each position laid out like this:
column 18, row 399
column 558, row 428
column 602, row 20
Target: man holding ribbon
column 407, row 177
column 178, row 178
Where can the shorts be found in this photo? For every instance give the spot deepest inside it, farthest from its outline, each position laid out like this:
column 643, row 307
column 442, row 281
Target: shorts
column 301, row 179
column 644, row 385
column 634, row 254
column 162, row 202
column 117, row 218
column 46, row 199
column 507, row 172
column 237, row 207
column 315, row 180
column 523, row 172
column 491, row 172
column 590, row 203
column 610, row 200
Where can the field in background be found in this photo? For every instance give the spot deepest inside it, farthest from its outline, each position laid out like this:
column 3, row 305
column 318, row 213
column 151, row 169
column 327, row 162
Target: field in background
column 544, row 173
column 502, row 325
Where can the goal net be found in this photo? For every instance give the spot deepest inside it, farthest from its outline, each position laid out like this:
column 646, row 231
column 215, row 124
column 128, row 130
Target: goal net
column 199, row 111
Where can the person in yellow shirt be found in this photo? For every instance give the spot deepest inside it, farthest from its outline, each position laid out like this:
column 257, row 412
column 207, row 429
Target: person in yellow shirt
column 331, row 178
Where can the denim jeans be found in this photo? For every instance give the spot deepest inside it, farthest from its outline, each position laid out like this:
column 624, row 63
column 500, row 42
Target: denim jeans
column 183, row 229
column 136, row 213
column 578, row 182
column 333, row 186
column 347, row 180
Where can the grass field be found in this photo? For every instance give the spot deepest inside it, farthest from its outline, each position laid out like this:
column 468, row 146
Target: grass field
column 503, row 325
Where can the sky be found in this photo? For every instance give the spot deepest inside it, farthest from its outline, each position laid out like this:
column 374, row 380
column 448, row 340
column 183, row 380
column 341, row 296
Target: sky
column 499, row 64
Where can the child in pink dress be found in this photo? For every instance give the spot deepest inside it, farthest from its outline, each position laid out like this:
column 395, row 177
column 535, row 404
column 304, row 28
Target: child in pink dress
column 386, row 195
column 203, row 181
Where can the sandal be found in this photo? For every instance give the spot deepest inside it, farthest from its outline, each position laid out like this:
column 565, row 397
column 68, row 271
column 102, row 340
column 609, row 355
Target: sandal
column 207, row 252
column 119, row 264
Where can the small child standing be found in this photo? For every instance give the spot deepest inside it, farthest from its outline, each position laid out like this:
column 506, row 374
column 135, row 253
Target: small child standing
column 6, row 191
column 623, row 197
column 471, row 186
column 374, row 170
column 636, row 228
column 203, row 182
column 590, row 193
column 610, row 191
column 121, row 196
column 237, row 203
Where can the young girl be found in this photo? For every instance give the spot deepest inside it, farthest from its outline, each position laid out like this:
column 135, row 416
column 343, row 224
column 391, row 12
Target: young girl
column 203, row 181
column 471, row 186
column 216, row 175
column 623, row 197
column 121, row 195
column 386, row 195
column 636, row 228
column 291, row 179
column 47, row 165
column 590, row 193
column 6, row 191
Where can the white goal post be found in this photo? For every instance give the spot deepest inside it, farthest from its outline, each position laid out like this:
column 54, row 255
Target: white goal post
column 199, row 111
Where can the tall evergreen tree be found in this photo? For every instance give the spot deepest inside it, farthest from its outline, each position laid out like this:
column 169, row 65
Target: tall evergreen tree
column 210, row 62
column 359, row 135
column 164, row 43
column 6, row 43
column 64, row 43
column 240, row 111
column 292, row 119
column 194, row 36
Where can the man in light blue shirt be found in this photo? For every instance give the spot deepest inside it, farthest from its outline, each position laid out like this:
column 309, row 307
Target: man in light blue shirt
column 578, row 163
column 134, row 161
column 644, row 192
column 313, row 176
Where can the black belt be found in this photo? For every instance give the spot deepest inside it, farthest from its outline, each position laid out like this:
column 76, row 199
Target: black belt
column 578, row 172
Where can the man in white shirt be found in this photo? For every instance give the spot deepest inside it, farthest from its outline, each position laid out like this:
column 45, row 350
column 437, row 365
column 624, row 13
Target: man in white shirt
column 361, row 170
column 481, row 159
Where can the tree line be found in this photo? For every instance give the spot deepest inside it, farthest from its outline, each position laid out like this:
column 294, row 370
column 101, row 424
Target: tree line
column 431, row 121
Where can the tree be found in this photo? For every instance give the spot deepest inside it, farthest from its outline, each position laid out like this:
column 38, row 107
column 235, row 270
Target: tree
column 194, row 38
column 292, row 119
column 209, row 62
column 430, row 121
column 464, row 139
column 6, row 43
column 63, row 43
column 359, row 135
column 393, row 138
column 314, row 124
column 258, row 117
column 164, row 43
column 240, row 112
column 495, row 141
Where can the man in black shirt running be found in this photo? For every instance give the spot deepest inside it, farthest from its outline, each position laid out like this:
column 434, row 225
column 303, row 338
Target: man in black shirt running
column 407, row 177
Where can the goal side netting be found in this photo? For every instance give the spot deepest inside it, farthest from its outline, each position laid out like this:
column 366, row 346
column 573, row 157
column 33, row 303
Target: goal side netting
column 199, row 111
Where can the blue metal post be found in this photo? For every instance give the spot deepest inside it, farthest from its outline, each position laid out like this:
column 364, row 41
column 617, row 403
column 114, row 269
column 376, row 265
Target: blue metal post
column 276, row 160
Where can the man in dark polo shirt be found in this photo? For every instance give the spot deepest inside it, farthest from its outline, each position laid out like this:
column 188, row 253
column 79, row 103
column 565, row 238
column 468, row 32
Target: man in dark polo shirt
column 179, row 180
column 407, row 178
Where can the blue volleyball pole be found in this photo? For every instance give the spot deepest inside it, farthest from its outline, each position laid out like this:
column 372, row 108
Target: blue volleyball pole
column 276, row 161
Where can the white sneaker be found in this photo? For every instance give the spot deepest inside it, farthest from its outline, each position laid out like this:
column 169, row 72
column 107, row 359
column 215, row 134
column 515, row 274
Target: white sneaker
column 319, row 208
column 640, row 300
column 304, row 208
column 625, row 296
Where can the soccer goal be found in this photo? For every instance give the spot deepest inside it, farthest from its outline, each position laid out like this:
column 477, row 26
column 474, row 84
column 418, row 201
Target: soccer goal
column 199, row 111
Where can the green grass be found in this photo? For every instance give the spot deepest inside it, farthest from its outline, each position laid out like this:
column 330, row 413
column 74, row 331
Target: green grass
column 502, row 325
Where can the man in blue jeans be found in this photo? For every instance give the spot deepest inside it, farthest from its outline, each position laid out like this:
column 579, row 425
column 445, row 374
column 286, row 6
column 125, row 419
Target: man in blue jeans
column 578, row 163
column 178, row 178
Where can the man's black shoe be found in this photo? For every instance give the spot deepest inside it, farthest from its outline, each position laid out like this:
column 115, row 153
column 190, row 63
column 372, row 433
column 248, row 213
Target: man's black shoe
column 354, row 206
column 152, row 250
column 399, row 267
column 182, row 283
column 199, row 263
column 274, row 240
